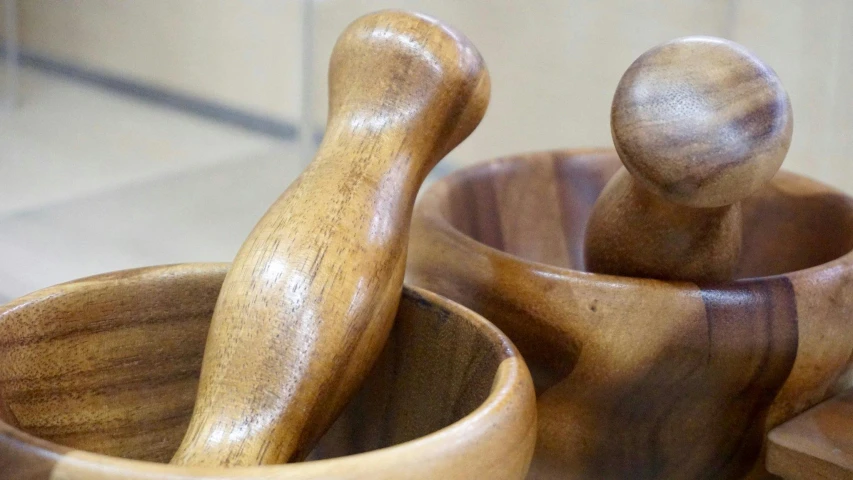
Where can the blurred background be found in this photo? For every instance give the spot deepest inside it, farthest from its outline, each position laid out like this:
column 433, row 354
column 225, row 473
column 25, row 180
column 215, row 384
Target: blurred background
column 143, row 132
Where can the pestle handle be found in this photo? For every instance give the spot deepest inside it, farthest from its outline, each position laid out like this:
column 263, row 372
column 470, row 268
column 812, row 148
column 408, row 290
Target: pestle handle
column 700, row 124
column 311, row 296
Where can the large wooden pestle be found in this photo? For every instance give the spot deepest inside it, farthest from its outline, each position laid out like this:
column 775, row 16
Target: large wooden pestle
column 311, row 296
column 699, row 123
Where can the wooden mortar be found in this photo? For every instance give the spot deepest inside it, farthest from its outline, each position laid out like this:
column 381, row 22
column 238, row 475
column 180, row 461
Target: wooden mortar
column 98, row 379
column 640, row 378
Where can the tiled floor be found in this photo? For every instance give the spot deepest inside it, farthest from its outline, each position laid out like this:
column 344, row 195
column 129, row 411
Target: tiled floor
column 91, row 181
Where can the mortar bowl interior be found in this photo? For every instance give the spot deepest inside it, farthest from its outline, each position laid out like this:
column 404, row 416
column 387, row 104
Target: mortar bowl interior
column 536, row 207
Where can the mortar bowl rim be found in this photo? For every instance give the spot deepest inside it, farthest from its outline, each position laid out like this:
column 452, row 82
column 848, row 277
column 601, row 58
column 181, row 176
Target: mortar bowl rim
column 428, row 209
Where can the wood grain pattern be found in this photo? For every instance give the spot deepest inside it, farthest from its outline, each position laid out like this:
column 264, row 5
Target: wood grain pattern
column 111, row 363
column 104, row 371
column 700, row 123
column 640, row 378
column 311, row 296
column 635, row 233
column 815, row 444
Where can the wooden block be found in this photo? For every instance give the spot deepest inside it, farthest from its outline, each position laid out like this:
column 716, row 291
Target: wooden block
column 816, row 444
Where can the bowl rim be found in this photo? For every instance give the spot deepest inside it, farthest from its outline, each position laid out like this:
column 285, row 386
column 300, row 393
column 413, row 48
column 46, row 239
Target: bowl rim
column 428, row 208
column 501, row 403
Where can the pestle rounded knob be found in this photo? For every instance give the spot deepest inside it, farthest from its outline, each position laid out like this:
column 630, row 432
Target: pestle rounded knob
column 700, row 124
column 311, row 296
column 701, row 121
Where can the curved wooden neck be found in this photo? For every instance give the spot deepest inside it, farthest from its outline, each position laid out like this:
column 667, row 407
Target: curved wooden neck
column 639, row 234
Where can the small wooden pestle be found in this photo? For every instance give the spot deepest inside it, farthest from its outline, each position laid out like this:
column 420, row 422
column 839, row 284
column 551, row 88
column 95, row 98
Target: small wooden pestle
column 699, row 123
column 311, row 296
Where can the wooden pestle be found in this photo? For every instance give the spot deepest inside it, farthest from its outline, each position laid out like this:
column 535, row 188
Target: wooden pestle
column 310, row 298
column 699, row 123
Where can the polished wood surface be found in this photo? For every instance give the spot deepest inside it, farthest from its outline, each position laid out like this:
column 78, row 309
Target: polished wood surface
column 311, row 296
column 700, row 124
column 98, row 379
column 817, row 444
column 641, row 378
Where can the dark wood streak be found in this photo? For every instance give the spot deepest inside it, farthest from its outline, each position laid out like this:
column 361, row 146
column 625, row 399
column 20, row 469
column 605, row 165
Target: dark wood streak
column 752, row 329
column 473, row 211
column 717, row 388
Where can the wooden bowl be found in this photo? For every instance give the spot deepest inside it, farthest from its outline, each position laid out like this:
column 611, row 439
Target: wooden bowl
column 98, row 379
column 640, row 378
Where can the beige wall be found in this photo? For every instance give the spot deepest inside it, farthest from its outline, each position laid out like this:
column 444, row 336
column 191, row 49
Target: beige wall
column 554, row 63
column 243, row 53
column 810, row 45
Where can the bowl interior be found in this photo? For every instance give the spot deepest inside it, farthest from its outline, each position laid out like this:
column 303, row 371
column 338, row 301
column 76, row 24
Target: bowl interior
column 110, row 365
column 536, row 206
